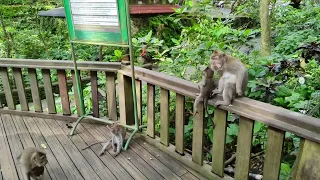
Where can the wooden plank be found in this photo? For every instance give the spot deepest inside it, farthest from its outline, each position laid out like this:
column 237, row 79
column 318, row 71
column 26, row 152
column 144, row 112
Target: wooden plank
column 307, row 162
column 125, row 100
column 7, row 88
column 162, row 157
column 76, row 94
column 111, row 96
column 94, row 91
column 180, row 120
column 219, row 141
column 129, row 160
column 139, row 100
column 14, row 143
column 244, row 148
column 8, row 169
column 272, row 162
column 151, row 110
column 189, row 176
column 17, row 74
column 38, row 138
column 48, row 91
column 198, row 136
column 69, row 168
column 35, row 90
column 165, row 114
column 63, row 89
column 97, row 165
column 53, row 168
column 151, row 160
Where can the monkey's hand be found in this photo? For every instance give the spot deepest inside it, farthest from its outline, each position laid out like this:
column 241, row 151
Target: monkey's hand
column 239, row 92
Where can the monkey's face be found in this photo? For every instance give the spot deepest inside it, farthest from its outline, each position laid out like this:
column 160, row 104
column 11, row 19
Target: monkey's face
column 208, row 72
column 115, row 128
column 40, row 160
column 217, row 60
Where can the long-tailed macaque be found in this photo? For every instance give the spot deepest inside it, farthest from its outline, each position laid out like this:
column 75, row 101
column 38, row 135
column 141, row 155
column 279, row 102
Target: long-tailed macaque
column 233, row 77
column 206, row 86
column 117, row 139
column 33, row 161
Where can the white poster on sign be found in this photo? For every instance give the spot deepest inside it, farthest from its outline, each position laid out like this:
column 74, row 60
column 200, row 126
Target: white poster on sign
column 95, row 5
column 92, row 1
column 95, row 11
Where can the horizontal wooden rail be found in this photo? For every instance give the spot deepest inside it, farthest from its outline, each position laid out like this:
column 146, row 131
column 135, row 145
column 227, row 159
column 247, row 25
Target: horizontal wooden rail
column 60, row 64
column 277, row 117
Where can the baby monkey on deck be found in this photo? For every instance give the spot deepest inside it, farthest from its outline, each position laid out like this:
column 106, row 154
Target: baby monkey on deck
column 206, row 86
column 33, row 161
column 118, row 134
column 233, row 77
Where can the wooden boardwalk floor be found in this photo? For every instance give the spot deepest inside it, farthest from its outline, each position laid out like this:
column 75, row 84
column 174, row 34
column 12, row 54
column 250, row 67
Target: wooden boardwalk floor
column 68, row 161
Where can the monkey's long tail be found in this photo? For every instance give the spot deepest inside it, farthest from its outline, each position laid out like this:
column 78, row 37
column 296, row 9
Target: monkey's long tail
column 92, row 145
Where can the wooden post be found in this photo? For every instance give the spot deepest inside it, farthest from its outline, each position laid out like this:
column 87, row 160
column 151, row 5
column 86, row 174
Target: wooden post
column 125, row 100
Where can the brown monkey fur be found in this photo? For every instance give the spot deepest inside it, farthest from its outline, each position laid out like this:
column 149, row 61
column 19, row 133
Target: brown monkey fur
column 33, row 161
column 233, row 77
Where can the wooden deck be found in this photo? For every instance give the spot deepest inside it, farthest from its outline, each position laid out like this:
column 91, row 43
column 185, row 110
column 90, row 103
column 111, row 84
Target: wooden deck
column 68, row 161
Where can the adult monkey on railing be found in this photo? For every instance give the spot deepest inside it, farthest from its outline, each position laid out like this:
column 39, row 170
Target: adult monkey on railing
column 233, row 77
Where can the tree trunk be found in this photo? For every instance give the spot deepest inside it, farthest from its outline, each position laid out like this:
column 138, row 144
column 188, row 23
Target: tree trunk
column 265, row 27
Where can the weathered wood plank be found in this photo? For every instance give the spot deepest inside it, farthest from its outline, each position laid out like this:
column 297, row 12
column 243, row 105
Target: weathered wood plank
column 48, row 91
column 139, row 100
column 94, row 91
column 129, row 160
column 165, row 113
column 244, row 148
column 162, row 157
column 125, row 100
column 198, row 136
column 76, row 94
column 271, row 168
column 58, row 150
column 53, row 168
column 14, row 143
column 35, row 90
column 17, row 74
column 63, row 89
column 8, row 169
column 7, row 88
column 307, row 162
column 180, row 119
column 78, row 143
column 111, row 96
column 151, row 110
column 218, row 148
column 189, row 176
column 38, row 138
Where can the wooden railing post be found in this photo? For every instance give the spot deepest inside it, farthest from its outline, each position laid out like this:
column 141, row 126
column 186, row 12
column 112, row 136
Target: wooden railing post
column 308, row 161
column 197, row 139
column 125, row 99
column 7, row 88
column 111, row 96
column 180, row 119
column 150, row 110
column 164, row 119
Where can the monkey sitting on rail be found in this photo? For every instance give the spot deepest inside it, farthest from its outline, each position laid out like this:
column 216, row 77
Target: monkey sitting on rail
column 233, row 77
column 118, row 136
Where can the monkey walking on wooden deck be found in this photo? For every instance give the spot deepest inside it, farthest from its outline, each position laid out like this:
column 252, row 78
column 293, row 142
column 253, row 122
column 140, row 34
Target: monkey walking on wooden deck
column 117, row 139
column 33, row 161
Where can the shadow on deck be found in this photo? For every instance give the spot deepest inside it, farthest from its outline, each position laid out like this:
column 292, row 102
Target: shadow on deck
column 68, row 161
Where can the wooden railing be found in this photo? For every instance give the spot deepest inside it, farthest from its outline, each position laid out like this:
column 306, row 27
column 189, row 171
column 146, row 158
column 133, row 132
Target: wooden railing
column 279, row 120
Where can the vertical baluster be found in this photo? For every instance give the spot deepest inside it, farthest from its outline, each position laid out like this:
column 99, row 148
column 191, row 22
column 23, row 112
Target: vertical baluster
column 273, row 156
column 125, row 99
column 111, row 96
column 7, row 88
column 76, row 95
column 180, row 119
column 218, row 148
column 139, row 100
column 35, row 90
column 197, row 139
column 94, row 91
column 164, row 110
column 48, row 91
column 17, row 74
column 63, row 89
column 150, row 110
column 244, row 148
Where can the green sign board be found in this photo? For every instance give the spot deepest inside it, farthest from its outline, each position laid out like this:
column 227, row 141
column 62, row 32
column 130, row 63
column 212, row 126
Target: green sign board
column 97, row 21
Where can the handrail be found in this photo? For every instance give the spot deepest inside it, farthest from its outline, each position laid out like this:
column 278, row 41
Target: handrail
column 59, row 64
column 278, row 117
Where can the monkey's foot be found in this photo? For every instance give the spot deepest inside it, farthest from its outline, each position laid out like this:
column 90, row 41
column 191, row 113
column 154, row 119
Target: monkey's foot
column 197, row 94
column 239, row 93
column 218, row 103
